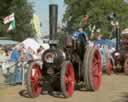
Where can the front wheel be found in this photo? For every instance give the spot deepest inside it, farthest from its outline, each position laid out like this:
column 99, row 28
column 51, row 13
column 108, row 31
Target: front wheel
column 34, row 76
column 67, row 79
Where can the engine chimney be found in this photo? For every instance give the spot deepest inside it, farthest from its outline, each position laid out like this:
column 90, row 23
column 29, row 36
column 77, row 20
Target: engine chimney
column 53, row 11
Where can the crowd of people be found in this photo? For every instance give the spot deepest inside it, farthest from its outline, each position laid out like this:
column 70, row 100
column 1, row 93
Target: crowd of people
column 11, row 64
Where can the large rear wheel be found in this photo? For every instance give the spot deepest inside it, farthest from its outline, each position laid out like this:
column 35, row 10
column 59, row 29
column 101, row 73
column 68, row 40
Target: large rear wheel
column 85, row 65
column 67, row 79
column 93, row 70
column 34, row 76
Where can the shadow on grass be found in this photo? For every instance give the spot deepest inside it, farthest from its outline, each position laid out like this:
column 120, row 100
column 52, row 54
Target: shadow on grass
column 24, row 93
column 47, row 90
column 123, row 97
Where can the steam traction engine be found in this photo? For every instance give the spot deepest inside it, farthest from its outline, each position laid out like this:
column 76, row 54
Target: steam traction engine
column 120, row 55
column 63, row 68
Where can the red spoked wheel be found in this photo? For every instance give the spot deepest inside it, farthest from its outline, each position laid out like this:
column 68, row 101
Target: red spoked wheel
column 109, row 68
column 126, row 67
column 34, row 84
column 67, row 79
column 93, row 70
column 96, row 69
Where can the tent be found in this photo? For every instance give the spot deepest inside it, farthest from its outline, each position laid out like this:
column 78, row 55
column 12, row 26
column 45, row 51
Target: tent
column 125, row 31
column 34, row 44
column 8, row 42
column 30, row 42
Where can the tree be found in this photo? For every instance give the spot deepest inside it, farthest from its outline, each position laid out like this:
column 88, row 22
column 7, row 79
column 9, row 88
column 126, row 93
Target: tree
column 4, row 11
column 97, row 12
column 23, row 16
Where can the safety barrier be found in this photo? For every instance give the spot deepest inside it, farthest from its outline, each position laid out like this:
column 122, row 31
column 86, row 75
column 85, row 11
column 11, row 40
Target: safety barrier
column 13, row 73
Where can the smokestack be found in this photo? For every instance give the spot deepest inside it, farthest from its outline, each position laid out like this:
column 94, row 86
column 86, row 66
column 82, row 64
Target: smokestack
column 53, row 13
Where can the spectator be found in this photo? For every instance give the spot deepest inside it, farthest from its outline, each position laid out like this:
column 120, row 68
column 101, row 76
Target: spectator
column 15, row 55
column 82, row 32
column 99, row 40
column 15, row 70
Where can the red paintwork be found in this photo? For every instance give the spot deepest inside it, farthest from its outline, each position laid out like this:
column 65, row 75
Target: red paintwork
column 70, row 79
column 36, row 75
column 110, row 67
column 97, row 69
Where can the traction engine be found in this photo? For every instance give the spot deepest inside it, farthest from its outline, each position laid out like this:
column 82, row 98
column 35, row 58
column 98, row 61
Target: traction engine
column 62, row 69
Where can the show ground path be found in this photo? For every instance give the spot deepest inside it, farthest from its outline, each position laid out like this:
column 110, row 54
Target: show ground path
column 114, row 89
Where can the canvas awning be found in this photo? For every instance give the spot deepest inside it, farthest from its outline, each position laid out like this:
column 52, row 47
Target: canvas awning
column 125, row 31
column 8, row 42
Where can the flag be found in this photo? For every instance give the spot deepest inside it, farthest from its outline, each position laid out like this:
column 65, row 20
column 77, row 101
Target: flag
column 11, row 26
column 9, row 18
column 36, row 22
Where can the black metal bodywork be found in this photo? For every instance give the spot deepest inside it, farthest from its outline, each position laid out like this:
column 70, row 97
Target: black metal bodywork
column 75, row 53
column 52, row 57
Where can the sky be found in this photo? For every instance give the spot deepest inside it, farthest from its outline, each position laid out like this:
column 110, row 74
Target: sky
column 41, row 8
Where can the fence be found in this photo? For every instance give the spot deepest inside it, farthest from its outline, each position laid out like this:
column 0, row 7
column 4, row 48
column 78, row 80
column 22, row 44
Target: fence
column 12, row 73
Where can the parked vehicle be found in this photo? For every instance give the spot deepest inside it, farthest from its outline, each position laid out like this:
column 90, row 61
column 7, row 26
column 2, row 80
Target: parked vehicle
column 120, row 55
column 105, row 46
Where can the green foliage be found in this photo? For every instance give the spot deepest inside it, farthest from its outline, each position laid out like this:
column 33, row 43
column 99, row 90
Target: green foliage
column 23, row 15
column 97, row 10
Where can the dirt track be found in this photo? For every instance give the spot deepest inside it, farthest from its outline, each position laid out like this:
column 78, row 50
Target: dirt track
column 114, row 89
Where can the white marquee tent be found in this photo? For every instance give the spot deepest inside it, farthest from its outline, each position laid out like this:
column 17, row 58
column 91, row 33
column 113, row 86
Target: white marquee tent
column 34, row 44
